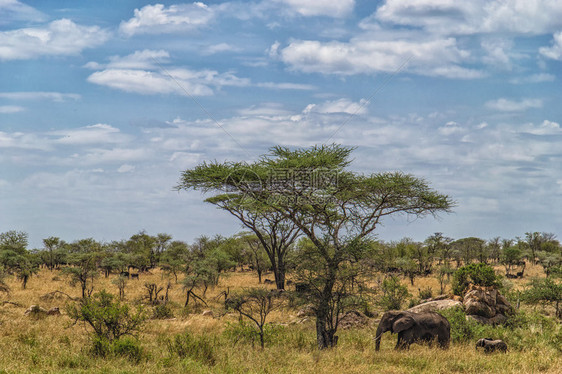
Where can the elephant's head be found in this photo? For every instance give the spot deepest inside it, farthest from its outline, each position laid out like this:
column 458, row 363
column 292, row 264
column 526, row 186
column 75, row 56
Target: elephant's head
column 393, row 321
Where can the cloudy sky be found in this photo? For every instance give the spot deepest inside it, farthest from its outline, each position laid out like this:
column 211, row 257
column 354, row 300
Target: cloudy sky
column 103, row 104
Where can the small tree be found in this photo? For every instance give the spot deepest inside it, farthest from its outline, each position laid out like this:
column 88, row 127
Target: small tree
column 110, row 320
column 443, row 276
column 255, row 304
column 259, row 259
column 393, row 293
column 121, row 283
column 510, row 258
column 545, row 291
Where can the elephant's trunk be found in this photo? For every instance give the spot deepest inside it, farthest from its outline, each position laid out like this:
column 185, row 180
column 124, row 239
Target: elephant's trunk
column 378, row 338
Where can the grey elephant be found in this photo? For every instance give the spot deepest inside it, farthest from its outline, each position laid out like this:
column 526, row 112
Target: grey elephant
column 491, row 345
column 414, row 327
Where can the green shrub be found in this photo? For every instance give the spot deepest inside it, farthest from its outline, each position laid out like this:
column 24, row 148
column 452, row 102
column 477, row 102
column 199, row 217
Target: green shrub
column 109, row 319
column 198, row 348
column 462, row 330
column 162, row 311
column 478, row 274
column 128, row 347
column 393, row 294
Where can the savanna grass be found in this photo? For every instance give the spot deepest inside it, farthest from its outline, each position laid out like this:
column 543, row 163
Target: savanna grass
column 207, row 344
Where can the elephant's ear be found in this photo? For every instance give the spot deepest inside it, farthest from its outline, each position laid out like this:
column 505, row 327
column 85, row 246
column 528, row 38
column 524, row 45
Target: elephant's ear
column 403, row 323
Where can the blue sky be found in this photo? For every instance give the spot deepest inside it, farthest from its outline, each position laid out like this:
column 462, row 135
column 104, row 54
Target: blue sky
column 103, row 104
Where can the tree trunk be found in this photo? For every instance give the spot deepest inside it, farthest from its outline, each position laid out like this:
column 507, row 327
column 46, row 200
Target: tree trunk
column 259, row 275
column 279, row 274
column 325, row 334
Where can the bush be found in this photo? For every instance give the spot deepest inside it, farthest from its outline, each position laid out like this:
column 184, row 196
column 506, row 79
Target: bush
column 198, row 348
column 393, row 294
column 478, row 274
column 462, row 330
column 110, row 320
column 128, row 347
column 162, row 311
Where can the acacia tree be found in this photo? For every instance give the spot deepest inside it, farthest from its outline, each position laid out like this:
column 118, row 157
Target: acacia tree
column 337, row 209
column 275, row 232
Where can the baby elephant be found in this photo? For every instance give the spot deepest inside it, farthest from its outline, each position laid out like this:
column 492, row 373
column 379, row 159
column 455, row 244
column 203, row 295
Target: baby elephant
column 491, row 345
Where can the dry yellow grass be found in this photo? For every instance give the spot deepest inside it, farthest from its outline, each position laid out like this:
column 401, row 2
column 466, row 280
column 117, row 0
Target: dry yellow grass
column 55, row 345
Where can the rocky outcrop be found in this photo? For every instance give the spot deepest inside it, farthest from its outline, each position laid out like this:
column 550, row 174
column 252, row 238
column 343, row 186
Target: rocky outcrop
column 435, row 305
column 486, row 305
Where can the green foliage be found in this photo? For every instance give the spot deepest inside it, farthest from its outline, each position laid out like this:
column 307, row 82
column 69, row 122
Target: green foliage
column 200, row 348
column 478, row 274
column 128, row 347
column 393, row 294
column 109, row 319
column 545, row 291
column 162, row 311
column 245, row 332
column 462, row 330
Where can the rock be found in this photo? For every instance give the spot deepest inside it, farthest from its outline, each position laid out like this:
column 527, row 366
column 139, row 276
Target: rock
column 435, row 305
column 440, row 297
column 353, row 319
column 475, row 307
column 207, row 313
column 486, row 302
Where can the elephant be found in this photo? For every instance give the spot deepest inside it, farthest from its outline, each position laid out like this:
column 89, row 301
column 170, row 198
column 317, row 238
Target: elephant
column 491, row 345
column 413, row 327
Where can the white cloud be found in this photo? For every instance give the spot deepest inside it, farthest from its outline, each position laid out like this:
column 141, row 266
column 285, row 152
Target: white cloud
column 451, row 128
column 330, row 8
column 20, row 140
column 142, row 72
column 125, row 168
column 147, row 82
column 53, row 96
column 534, row 78
column 220, row 48
column 60, row 37
column 15, row 11
column 6, row 109
column 546, row 128
column 158, row 19
column 94, row 134
column 422, row 55
column 452, row 17
column 338, row 106
column 555, row 51
column 498, row 52
column 506, row 105
column 286, row 86
column 145, row 59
